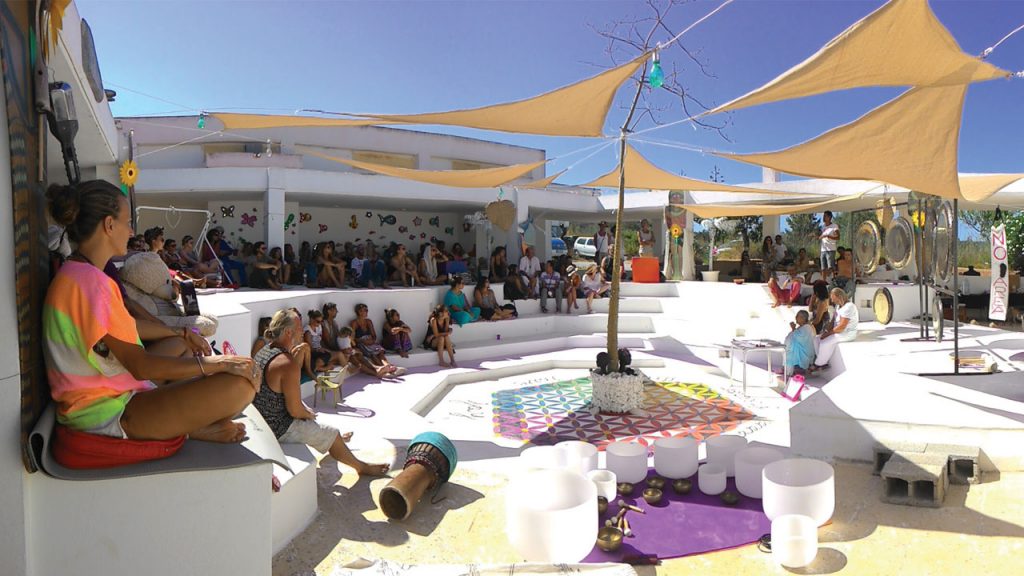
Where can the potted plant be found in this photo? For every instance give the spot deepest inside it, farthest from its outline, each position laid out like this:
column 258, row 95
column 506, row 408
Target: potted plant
column 617, row 390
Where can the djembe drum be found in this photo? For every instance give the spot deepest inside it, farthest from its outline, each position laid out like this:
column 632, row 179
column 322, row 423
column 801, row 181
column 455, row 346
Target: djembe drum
column 429, row 462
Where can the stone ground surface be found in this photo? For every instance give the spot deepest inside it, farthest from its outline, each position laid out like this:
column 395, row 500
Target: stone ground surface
column 980, row 530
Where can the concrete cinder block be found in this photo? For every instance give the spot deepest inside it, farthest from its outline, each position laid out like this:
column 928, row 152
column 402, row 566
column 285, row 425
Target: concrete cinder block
column 883, row 450
column 915, row 479
column 962, row 465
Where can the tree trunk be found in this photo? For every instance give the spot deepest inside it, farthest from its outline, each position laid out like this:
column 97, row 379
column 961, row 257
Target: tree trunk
column 613, row 302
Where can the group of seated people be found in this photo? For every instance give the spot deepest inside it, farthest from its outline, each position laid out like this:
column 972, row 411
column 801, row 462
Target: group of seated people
column 132, row 378
column 830, row 318
column 557, row 279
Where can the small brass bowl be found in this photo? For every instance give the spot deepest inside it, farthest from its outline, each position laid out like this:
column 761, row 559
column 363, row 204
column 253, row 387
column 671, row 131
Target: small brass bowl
column 625, row 488
column 682, row 486
column 730, row 498
column 609, row 539
column 602, row 504
column 656, row 482
column 652, row 495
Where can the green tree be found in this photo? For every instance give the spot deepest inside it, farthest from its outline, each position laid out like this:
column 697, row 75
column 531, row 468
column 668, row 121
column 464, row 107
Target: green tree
column 803, row 232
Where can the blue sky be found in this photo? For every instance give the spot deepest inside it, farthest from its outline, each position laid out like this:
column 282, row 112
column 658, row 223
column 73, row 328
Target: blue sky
column 430, row 56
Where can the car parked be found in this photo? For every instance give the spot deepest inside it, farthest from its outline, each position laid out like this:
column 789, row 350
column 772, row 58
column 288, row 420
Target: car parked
column 584, row 247
column 558, row 247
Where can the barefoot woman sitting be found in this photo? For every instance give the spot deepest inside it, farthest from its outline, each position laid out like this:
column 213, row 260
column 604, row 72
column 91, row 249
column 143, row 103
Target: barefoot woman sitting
column 280, row 397
column 100, row 375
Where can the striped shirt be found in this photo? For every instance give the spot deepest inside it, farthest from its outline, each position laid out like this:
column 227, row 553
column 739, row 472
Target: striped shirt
column 82, row 306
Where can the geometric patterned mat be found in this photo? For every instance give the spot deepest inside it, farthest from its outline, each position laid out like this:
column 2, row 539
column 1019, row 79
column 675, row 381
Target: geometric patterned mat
column 549, row 413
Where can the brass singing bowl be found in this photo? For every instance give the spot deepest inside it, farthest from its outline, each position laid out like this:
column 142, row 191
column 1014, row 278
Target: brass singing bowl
column 652, row 495
column 602, row 504
column 625, row 488
column 730, row 498
column 609, row 539
column 656, row 482
column 682, row 486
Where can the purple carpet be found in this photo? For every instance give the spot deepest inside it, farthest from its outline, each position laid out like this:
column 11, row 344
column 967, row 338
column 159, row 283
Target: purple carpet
column 683, row 525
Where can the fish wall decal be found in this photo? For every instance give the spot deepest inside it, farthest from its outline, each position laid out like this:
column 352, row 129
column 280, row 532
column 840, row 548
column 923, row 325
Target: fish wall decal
column 389, row 219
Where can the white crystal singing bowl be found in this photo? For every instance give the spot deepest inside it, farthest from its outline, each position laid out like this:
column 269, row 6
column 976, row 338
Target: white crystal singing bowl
column 628, row 460
column 579, row 456
column 794, row 540
column 799, row 486
column 722, row 451
column 750, row 462
column 551, row 516
column 676, row 457
column 711, row 479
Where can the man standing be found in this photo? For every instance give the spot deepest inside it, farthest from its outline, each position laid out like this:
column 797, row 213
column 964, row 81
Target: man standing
column 780, row 250
column 829, row 241
column 602, row 242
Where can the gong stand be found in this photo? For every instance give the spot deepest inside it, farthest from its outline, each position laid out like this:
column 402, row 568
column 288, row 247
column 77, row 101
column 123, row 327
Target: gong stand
column 924, row 282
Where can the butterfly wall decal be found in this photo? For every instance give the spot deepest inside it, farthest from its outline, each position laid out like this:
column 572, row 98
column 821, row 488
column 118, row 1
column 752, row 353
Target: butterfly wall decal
column 249, row 220
column 449, row 230
column 403, row 229
column 435, row 221
column 323, row 228
column 227, row 211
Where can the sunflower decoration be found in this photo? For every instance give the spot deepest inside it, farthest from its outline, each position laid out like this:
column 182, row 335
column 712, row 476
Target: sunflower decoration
column 676, row 230
column 917, row 217
column 129, row 172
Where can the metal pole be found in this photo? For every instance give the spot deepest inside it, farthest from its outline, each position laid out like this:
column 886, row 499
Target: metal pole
column 131, row 189
column 956, row 287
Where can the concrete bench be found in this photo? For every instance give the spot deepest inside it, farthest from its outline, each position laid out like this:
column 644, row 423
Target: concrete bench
column 226, row 489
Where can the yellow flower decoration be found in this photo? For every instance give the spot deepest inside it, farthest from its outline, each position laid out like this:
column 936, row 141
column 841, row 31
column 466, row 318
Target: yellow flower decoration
column 677, row 231
column 129, row 172
column 917, row 217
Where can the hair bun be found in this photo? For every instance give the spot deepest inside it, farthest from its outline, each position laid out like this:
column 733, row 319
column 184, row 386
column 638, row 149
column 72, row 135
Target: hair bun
column 64, row 202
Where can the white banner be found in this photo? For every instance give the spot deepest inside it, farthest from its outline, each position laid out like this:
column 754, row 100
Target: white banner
column 999, row 295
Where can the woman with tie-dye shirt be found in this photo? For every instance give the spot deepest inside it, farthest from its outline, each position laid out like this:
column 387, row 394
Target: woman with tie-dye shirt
column 99, row 373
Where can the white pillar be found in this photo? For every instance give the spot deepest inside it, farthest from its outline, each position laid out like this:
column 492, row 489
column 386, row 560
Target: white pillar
column 273, row 203
column 544, row 240
column 688, row 260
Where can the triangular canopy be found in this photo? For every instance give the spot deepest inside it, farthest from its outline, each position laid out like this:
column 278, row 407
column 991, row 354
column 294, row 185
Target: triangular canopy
column 483, row 178
column 719, row 210
column 542, row 182
column 234, row 121
column 978, row 187
column 575, row 110
column 641, row 174
column 910, row 141
column 900, row 44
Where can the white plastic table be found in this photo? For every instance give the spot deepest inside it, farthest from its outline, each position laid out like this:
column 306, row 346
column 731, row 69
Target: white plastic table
column 755, row 345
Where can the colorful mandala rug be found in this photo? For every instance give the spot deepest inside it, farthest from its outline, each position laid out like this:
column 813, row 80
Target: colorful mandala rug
column 551, row 413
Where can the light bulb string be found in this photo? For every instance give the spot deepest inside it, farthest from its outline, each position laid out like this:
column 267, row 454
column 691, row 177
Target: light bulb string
column 189, row 141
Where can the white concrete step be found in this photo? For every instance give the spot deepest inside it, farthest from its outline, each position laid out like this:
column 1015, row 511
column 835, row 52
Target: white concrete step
column 295, row 505
column 539, row 325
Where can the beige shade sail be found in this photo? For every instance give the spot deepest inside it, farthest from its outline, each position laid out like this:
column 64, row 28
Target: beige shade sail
column 900, row 44
column 718, row 210
column 575, row 110
column 641, row 174
column 543, row 182
column 910, row 141
column 978, row 187
column 483, row 178
column 234, row 121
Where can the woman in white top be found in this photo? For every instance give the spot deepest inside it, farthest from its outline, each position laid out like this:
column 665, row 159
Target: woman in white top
column 646, row 239
column 844, row 328
column 593, row 285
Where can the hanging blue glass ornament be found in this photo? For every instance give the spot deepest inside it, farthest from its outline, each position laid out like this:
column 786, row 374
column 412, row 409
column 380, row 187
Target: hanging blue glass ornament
column 657, row 77
column 202, row 121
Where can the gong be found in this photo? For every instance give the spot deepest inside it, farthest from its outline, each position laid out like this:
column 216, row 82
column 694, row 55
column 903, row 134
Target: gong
column 944, row 242
column 867, row 246
column 881, row 303
column 938, row 318
column 899, row 243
